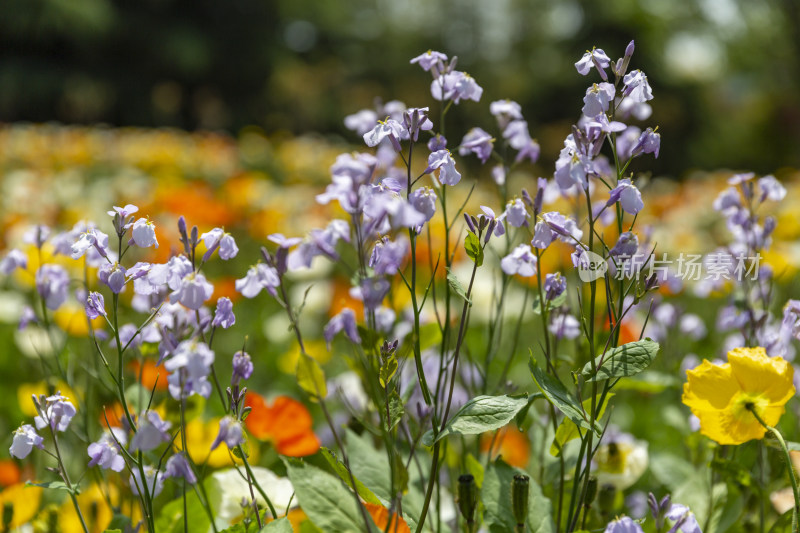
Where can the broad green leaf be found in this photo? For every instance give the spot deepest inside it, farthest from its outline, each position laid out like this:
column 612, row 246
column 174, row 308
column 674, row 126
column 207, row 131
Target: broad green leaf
column 170, row 519
column 567, row 430
column 651, row 382
column 281, row 525
column 557, row 394
column 457, row 287
column 341, row 470
column 324, row 499
column 474, row 249
column 523, row 413
column 622, row 361
column 496, row 498
column 310, row 377
column 475, row 468
column 549, row 304
column 480, row 414
column 369, row 465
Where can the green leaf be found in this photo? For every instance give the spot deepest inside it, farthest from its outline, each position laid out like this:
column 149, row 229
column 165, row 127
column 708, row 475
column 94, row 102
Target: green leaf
column 370, row 338
column 557, row 394
column 369, row 465
column 567, row 430
column 549, row 304
column 474, row 249
column 496, row 498
column 396, row 408
column 55, row 485
column 622, row 361
column 523, row 413
column 388, row 368
column 310, row 377
column 429, row 335
column 170, row 519
column 457, row 287
column 324, row 499
column 281, row 525
column 475, row 468
column 650, row 382
column 341, row 470
column 480, row 414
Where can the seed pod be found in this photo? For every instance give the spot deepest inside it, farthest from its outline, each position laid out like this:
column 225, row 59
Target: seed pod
column 467, row 497
column 520, row 488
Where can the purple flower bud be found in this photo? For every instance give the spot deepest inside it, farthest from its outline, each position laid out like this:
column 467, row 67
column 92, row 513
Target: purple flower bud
column 95, row 305
column 242, row 367
column 629, row 49
column 230, row 432
column 25, row 438
column 223, row 316
column 541, row 185
column 470, row 224
column 554, row 286
column 344, row 321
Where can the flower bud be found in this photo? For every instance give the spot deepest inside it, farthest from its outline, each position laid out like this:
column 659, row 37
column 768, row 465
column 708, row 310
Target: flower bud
column 606, row 499
column 470, row 224
column 467, row 497
column 520, row 488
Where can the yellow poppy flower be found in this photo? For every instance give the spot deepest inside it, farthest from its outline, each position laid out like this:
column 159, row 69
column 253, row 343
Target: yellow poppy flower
column 721, row 396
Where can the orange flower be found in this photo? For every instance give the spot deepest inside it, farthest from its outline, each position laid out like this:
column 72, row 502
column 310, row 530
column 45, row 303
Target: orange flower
column 9, row 473
column 286, row 423
column 510, row 443
column 341, row 298
column 149, row 372
column 380, row 515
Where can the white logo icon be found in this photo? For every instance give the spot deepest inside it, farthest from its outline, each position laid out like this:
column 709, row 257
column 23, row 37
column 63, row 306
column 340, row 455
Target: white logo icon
column 591, row 266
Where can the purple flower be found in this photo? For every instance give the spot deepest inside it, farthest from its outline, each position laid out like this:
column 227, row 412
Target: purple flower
column 55, row 411
column 282, row 241
column 684, row 519
column 626, row 141
column 143, row 233
column 771, row 189
column 431, row 60
column 320, row 242
column 36, row 235
column 636, row 87
column 259, row 277
column 479, row 142
column 25, row 438
column 178, row 466
column 217, row 238
column 442, row 160
column 553, row 225
column 564, row 326
column 152, row 431
column 113, row 276
column 372, row 291
column 416, row 120
column 627, row 195
column 189, row 367
column 91, row 238
column 52, row 283
column 223, row 316
column 728, row 201
column 649, row 142
column 153, row 481
column 595, row 57
column 344, row 321
column 242, row 367
column 95, row 305
column 423, row 200
column 572, row 168
column 123, row 212
column 361, row 122
column 106, row 453
column 520, row 261
column 455, row 86
column 13, row 260
column 597, row 99
column 505, row 111
column 28, row 316
column 516, row 214
column 387, row 256
column 498, row 228
column 519, row 138
column 193, row 291
column 230, row 432
column 693, row 326
column 623, row 525
column 388, row 128
column 554, row 286
column 627, row 245
column 437, row 142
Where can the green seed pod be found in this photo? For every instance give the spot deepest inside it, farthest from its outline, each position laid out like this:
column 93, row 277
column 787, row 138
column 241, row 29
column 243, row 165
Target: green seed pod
column 520, row 488
column 591, row 491
column 606, row 497
column 467, row 497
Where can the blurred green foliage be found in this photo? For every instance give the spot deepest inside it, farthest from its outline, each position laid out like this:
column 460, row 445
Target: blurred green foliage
column 725, row 73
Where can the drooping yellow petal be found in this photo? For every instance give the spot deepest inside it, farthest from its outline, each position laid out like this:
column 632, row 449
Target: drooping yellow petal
column 756, row 372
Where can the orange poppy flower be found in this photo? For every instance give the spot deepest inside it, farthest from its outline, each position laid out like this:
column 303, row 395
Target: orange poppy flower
column 286, row 423
column 9, row 473
column 149, row 372
column 510, row 443
column 380, row 515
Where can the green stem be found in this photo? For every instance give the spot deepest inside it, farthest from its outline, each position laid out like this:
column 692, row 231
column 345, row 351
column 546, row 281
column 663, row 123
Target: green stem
column 65, row 476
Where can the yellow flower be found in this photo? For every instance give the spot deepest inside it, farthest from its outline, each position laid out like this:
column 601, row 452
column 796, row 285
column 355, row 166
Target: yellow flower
column 24, row 500
column 721, row 396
